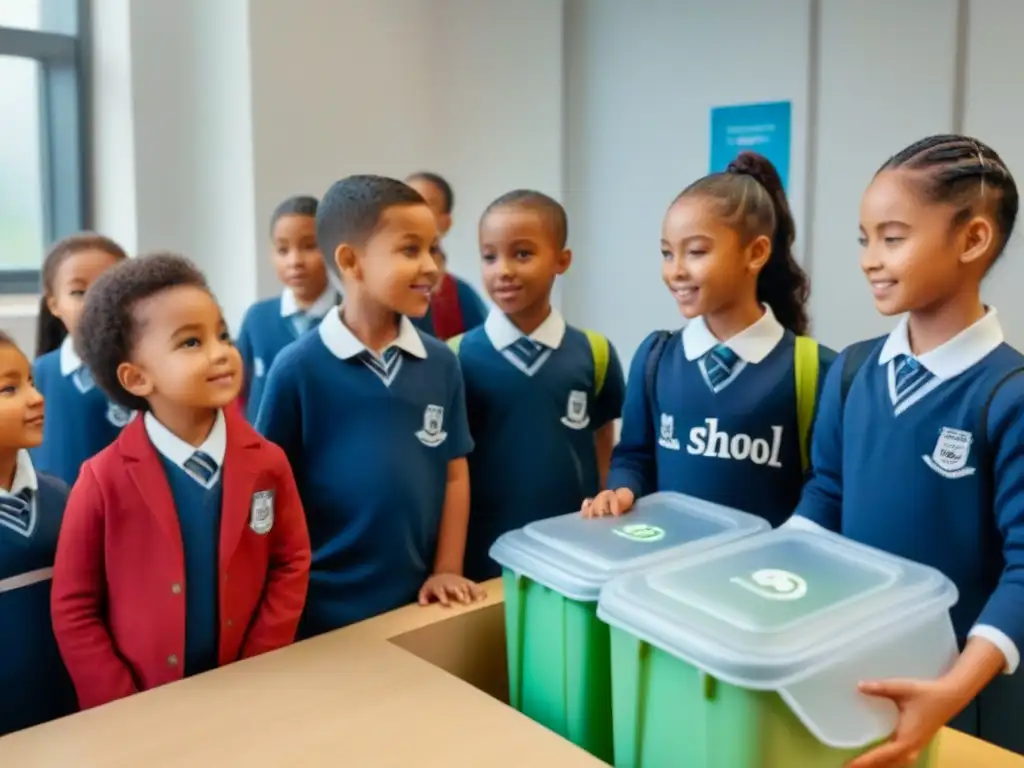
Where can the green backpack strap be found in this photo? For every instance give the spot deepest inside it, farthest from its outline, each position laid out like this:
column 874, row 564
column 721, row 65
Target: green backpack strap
column 806, row 363
column 455, row 342
column 599, row 349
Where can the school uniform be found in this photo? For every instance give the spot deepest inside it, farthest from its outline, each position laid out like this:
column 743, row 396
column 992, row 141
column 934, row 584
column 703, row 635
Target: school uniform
column 723, row 425
column 370, row 437
column 455, row 308
column 534, row 406
column 174, row 560
column 268, row 327
column 80, row 419
column 36, row 687
column 958, row 503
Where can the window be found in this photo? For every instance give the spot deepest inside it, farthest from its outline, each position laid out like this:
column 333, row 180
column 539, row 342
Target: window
column 42, row 144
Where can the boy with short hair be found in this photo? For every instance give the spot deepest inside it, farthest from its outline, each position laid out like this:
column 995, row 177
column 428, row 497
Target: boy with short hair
column 372, row 416
column 455, row 306
column 36, row 687
column 542, row 396
column 184, row 545
column 272, row 324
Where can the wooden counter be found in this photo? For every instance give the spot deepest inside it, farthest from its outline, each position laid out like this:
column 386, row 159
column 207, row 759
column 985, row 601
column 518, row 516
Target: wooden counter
column 417, row 687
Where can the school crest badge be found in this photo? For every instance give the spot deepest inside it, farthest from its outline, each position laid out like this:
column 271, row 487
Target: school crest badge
column 576, row 416
column 259, row 368
column 261, row 512
column 118, row 415
column 432, row 434
column 667, row 435
column 951, row 454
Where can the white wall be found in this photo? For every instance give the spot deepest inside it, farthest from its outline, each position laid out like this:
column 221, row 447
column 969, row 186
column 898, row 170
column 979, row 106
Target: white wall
column 865, row 78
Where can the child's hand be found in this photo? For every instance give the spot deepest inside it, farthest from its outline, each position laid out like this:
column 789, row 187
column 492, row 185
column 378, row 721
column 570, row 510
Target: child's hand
column 445, row 587
column 925, row 707
column 617, row 502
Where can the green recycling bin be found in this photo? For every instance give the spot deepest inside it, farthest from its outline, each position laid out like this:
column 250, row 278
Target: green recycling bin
column 559, row 660
column 749, row 655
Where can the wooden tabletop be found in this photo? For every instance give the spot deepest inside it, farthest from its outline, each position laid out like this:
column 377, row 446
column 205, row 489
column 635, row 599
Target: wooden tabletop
column 416, row 687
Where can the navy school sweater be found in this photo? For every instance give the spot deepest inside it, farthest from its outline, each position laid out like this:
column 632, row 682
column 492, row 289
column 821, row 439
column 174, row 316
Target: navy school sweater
column 36, row 687
column 738, row 446
column 369, row 439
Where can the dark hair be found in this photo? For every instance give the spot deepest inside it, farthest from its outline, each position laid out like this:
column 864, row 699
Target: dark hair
column 299, row 205
column 438, row 181
column 752, row 199
column 531, row 199
column 351, row 210
column 108, row 326
column 50, row 331
column 966, row 173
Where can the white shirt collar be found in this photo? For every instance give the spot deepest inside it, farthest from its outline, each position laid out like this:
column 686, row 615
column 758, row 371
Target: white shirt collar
column 752, row 345
column 69, row 359
column 319, row 308
column 24, row 475
column 954, row 357
column 177, row 451
column 503, row 333
column 343, row 344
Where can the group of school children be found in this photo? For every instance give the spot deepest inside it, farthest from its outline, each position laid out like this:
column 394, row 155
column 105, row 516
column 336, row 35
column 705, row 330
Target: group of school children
column 382, row 462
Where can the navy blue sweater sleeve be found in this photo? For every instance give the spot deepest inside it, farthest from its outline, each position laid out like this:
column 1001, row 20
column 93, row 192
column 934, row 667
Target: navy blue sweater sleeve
column 822, row 497
column 1005, row 608
column 634, row 463
column 280, row 415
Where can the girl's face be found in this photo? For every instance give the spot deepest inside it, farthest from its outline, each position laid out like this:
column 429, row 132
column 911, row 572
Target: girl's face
column 705, row 264
column 72, row 279
column 21, row 405
column 297, row 258
column 913, row 254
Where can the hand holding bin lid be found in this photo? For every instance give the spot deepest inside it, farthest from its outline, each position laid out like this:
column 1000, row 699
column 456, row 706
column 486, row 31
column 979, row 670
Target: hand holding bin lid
column 576, row 556
column 806, row 614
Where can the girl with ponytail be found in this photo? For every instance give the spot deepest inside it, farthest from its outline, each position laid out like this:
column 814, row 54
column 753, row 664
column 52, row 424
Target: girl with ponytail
column 722, row 409
column 80, row 420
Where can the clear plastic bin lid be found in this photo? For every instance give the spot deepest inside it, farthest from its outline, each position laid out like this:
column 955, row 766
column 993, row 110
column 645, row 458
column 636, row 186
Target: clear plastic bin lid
column 576, row 556
column 773, row 611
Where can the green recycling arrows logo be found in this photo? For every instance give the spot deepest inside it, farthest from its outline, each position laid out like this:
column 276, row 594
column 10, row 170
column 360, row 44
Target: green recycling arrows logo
column 640, row 532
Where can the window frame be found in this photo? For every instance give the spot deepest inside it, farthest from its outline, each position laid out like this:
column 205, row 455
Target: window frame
column 62, row 51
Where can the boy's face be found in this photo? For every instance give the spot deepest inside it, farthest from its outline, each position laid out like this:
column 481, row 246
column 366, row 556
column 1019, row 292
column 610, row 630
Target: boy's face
column 435, row 201
column 183, row 355
column 74, row 276
column 521, row 258
column 397, row 265
column 21, row 405
column 297, row 259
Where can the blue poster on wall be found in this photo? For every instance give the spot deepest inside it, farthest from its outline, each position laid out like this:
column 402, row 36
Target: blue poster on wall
column 761, row 128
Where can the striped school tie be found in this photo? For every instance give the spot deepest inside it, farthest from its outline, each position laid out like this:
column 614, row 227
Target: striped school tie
column 201, row 466
column 386, row 365
column 910, row 377
column 300, row 323
column 719, row 365
column 527, row 351
column 16, row 510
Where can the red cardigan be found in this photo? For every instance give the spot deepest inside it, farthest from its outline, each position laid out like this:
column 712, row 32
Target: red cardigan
column 118, row 599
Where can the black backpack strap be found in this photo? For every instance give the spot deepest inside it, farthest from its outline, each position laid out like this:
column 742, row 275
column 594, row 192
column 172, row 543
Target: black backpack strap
column 651, row 367
column 853, row 360
column 989, row 450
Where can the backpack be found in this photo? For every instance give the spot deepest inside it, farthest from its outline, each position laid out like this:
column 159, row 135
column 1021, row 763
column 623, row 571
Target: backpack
column 806, row 365
column 599, row 350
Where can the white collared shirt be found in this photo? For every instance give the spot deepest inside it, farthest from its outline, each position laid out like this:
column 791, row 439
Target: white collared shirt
column 318, row 309
column 177, row 451
column 752, row 345
column 503, row 333
column 952, row 358
column 343, row 344
column 69, row 359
